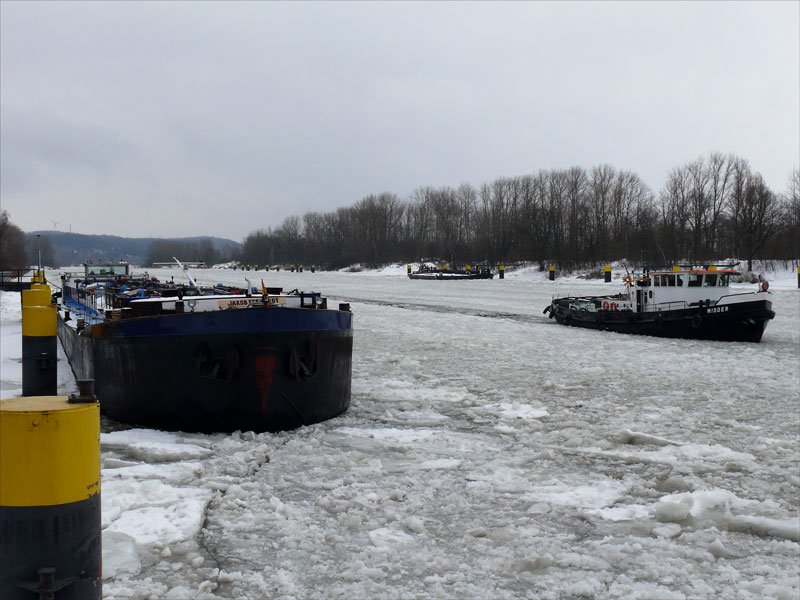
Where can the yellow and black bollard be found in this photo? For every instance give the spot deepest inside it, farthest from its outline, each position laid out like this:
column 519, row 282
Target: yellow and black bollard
column 501, row 270
column 552, row 270
column 50, row 498
column 39, row 373
column 607, row 273
column 408, row 270
column 313, row 268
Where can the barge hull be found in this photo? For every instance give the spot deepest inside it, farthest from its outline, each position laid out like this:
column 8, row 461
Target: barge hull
column 449, row 276
column 206, row 372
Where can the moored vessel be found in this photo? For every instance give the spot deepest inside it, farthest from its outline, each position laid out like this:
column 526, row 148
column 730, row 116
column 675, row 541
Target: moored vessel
column 685, row 302
column 215, row 358
column 445, row 273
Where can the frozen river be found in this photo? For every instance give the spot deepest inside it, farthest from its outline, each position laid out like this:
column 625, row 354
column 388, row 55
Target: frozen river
column 488, row 453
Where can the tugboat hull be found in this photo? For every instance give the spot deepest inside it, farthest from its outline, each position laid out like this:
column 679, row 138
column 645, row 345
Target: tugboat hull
column 254, row 369
column 740, row 322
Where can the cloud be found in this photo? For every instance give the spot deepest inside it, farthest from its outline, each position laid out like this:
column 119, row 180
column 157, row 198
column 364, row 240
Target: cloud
column 222, row 118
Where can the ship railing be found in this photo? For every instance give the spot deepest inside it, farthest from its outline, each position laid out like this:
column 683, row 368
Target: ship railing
column 82, row 311
column 662, row 306
column 83, row 304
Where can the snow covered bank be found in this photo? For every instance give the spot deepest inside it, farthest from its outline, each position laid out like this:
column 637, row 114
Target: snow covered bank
column 488, row 453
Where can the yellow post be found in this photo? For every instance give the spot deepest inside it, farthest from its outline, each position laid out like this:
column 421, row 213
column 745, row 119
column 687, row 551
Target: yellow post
column 552, row 270
column 607, row 273
column 50, row 498
column 676, row 268
column 501, row 269
column 39, row 345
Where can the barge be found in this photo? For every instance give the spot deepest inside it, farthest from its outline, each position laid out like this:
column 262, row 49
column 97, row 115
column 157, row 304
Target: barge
column 211, row 359
column 446, row 274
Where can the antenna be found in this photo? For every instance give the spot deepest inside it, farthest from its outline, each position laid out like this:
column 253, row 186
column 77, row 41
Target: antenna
column 55, row 224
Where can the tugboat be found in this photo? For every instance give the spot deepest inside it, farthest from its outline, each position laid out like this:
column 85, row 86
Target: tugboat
column 208, row 359
column 681, row 303
column 445, row 273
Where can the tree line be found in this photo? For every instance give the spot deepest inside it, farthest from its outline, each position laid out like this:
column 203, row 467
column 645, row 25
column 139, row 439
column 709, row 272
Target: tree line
column 714, row 207
column 17, row 252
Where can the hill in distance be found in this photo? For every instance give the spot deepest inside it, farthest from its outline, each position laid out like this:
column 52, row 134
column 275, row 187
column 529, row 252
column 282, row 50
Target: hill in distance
column 71, row 249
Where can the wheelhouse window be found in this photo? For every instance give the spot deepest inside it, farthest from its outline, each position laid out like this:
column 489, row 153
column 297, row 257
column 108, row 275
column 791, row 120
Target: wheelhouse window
column 695, row 280
column 670, row 280
column 722, row 281
column 679, row 280
column 710, row 280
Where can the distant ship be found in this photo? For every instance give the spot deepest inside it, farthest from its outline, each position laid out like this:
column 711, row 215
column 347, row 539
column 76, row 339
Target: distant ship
column 681, row 303
column 447, row 274
column 211, row 359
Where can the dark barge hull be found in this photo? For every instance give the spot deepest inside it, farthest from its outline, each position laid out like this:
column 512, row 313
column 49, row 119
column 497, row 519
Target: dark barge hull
column 741, row 322
column 450, row 276
column 256, row 369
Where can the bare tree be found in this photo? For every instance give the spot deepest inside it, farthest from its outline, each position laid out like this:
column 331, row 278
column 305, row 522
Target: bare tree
column 697, row 206
column 721, row 169
column 674, row 215
column 755, row 214
column 792, row 215
column 12, row 244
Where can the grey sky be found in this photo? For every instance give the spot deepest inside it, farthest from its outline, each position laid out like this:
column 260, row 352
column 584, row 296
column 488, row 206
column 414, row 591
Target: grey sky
column 177, row 119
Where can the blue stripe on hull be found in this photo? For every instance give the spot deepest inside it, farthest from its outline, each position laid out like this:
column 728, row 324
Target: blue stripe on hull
column 234, row 321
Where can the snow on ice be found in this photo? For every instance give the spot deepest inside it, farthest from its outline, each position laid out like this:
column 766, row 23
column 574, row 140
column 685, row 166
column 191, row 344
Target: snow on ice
column 487, row 453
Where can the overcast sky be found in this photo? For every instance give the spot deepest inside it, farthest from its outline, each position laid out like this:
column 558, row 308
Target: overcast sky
column 183, row 118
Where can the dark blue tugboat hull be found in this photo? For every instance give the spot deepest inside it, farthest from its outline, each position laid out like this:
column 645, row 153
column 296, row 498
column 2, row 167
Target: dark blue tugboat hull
column 741, row 322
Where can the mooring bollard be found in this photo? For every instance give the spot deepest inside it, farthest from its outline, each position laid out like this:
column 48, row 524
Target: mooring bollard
column 552, row 270
column 501, row 270
column 313, row 268
column 50, row 498
column 607, row 273
column 39, row 356
column 408, row 270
